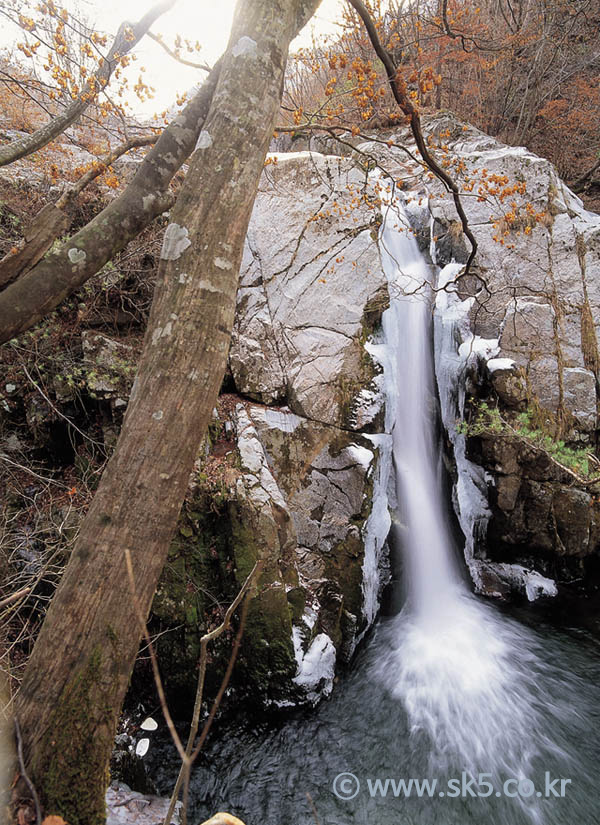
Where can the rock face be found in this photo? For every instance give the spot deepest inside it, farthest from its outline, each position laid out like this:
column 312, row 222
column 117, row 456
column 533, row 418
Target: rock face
column 540, row 518
column 298, row 497
column 520, row 334
column 516, row 360
column 295, row 469
column 539, row 255
column 302, row 487
column 311, row 287
column 127, row 807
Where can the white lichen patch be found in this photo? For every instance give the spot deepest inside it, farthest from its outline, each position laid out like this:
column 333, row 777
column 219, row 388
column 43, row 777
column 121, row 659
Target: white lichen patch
column 245, row 47
column 175, row 242
column 157, row 416
column 163, row 332
column 193, row 375
column 183, row 278
column 208, row 287
column 76, row 256
column 223, row 263
column 148, row 201
column 204, row 141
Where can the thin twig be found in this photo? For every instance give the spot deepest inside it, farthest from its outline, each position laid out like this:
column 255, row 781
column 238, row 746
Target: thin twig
column 157, row 39
column 155, row 670
column 187, row 762
column 15, row 596
column 224, row 683
column 55, row 409
column 313, row 808
column 29, row 783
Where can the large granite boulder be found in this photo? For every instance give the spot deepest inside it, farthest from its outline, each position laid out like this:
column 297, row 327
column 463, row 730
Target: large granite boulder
column 311, row 287
column 538, row 262
column 297, row 466
column 308, row 501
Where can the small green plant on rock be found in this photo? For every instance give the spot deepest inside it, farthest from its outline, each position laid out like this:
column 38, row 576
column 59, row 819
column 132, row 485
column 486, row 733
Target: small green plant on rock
column 486, row 419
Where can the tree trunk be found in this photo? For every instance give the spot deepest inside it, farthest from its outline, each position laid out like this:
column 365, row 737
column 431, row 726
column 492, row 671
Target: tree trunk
column 78, row 673
column 44, row 229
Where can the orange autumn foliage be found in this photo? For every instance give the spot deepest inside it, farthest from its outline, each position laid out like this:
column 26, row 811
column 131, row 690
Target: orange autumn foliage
column 525, row 72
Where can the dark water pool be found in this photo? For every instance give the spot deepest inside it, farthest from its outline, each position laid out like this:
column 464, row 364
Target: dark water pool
column 286, row 772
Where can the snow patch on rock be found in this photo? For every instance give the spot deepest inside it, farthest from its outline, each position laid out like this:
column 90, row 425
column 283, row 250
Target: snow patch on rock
column 361, row 455
column 497, row 364
column 316, row 667
column 127, row 807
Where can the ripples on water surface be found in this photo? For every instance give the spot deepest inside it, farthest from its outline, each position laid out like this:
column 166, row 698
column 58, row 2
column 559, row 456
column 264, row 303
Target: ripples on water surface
column 263, row 775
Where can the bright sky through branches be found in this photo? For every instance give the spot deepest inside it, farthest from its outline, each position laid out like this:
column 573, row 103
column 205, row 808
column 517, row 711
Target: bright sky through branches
column 206, row 21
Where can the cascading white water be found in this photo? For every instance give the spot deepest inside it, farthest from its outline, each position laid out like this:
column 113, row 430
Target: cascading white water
column 432, row 576
column 468, row 677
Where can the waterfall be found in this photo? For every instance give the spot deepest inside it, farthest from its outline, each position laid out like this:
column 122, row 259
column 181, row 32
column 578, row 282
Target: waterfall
column 432, row 577
column 468, row 676
column 452, row 684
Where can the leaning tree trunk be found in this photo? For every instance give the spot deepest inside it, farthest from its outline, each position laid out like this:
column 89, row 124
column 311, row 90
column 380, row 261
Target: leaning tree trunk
column 38, row 291
column 75, row 681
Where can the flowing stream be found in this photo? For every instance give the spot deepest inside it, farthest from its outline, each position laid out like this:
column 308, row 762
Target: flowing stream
column 450, row 688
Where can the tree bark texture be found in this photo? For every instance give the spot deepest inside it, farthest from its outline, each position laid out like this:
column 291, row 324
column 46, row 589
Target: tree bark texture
column 75, row 681
column 44, row 229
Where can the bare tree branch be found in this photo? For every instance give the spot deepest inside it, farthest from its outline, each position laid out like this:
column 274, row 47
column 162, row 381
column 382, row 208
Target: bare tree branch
column 157, row 39
column 15, row 597
column 25, row 775
column 585, row 179
column 62, row 271
column 101, row 165
column 208, row 637
column 126, row 38
column 401, row 97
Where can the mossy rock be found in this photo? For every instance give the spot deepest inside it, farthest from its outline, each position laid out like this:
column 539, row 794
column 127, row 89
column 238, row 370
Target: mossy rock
column 267, row 662
column 196, row 587
column 218, row 542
